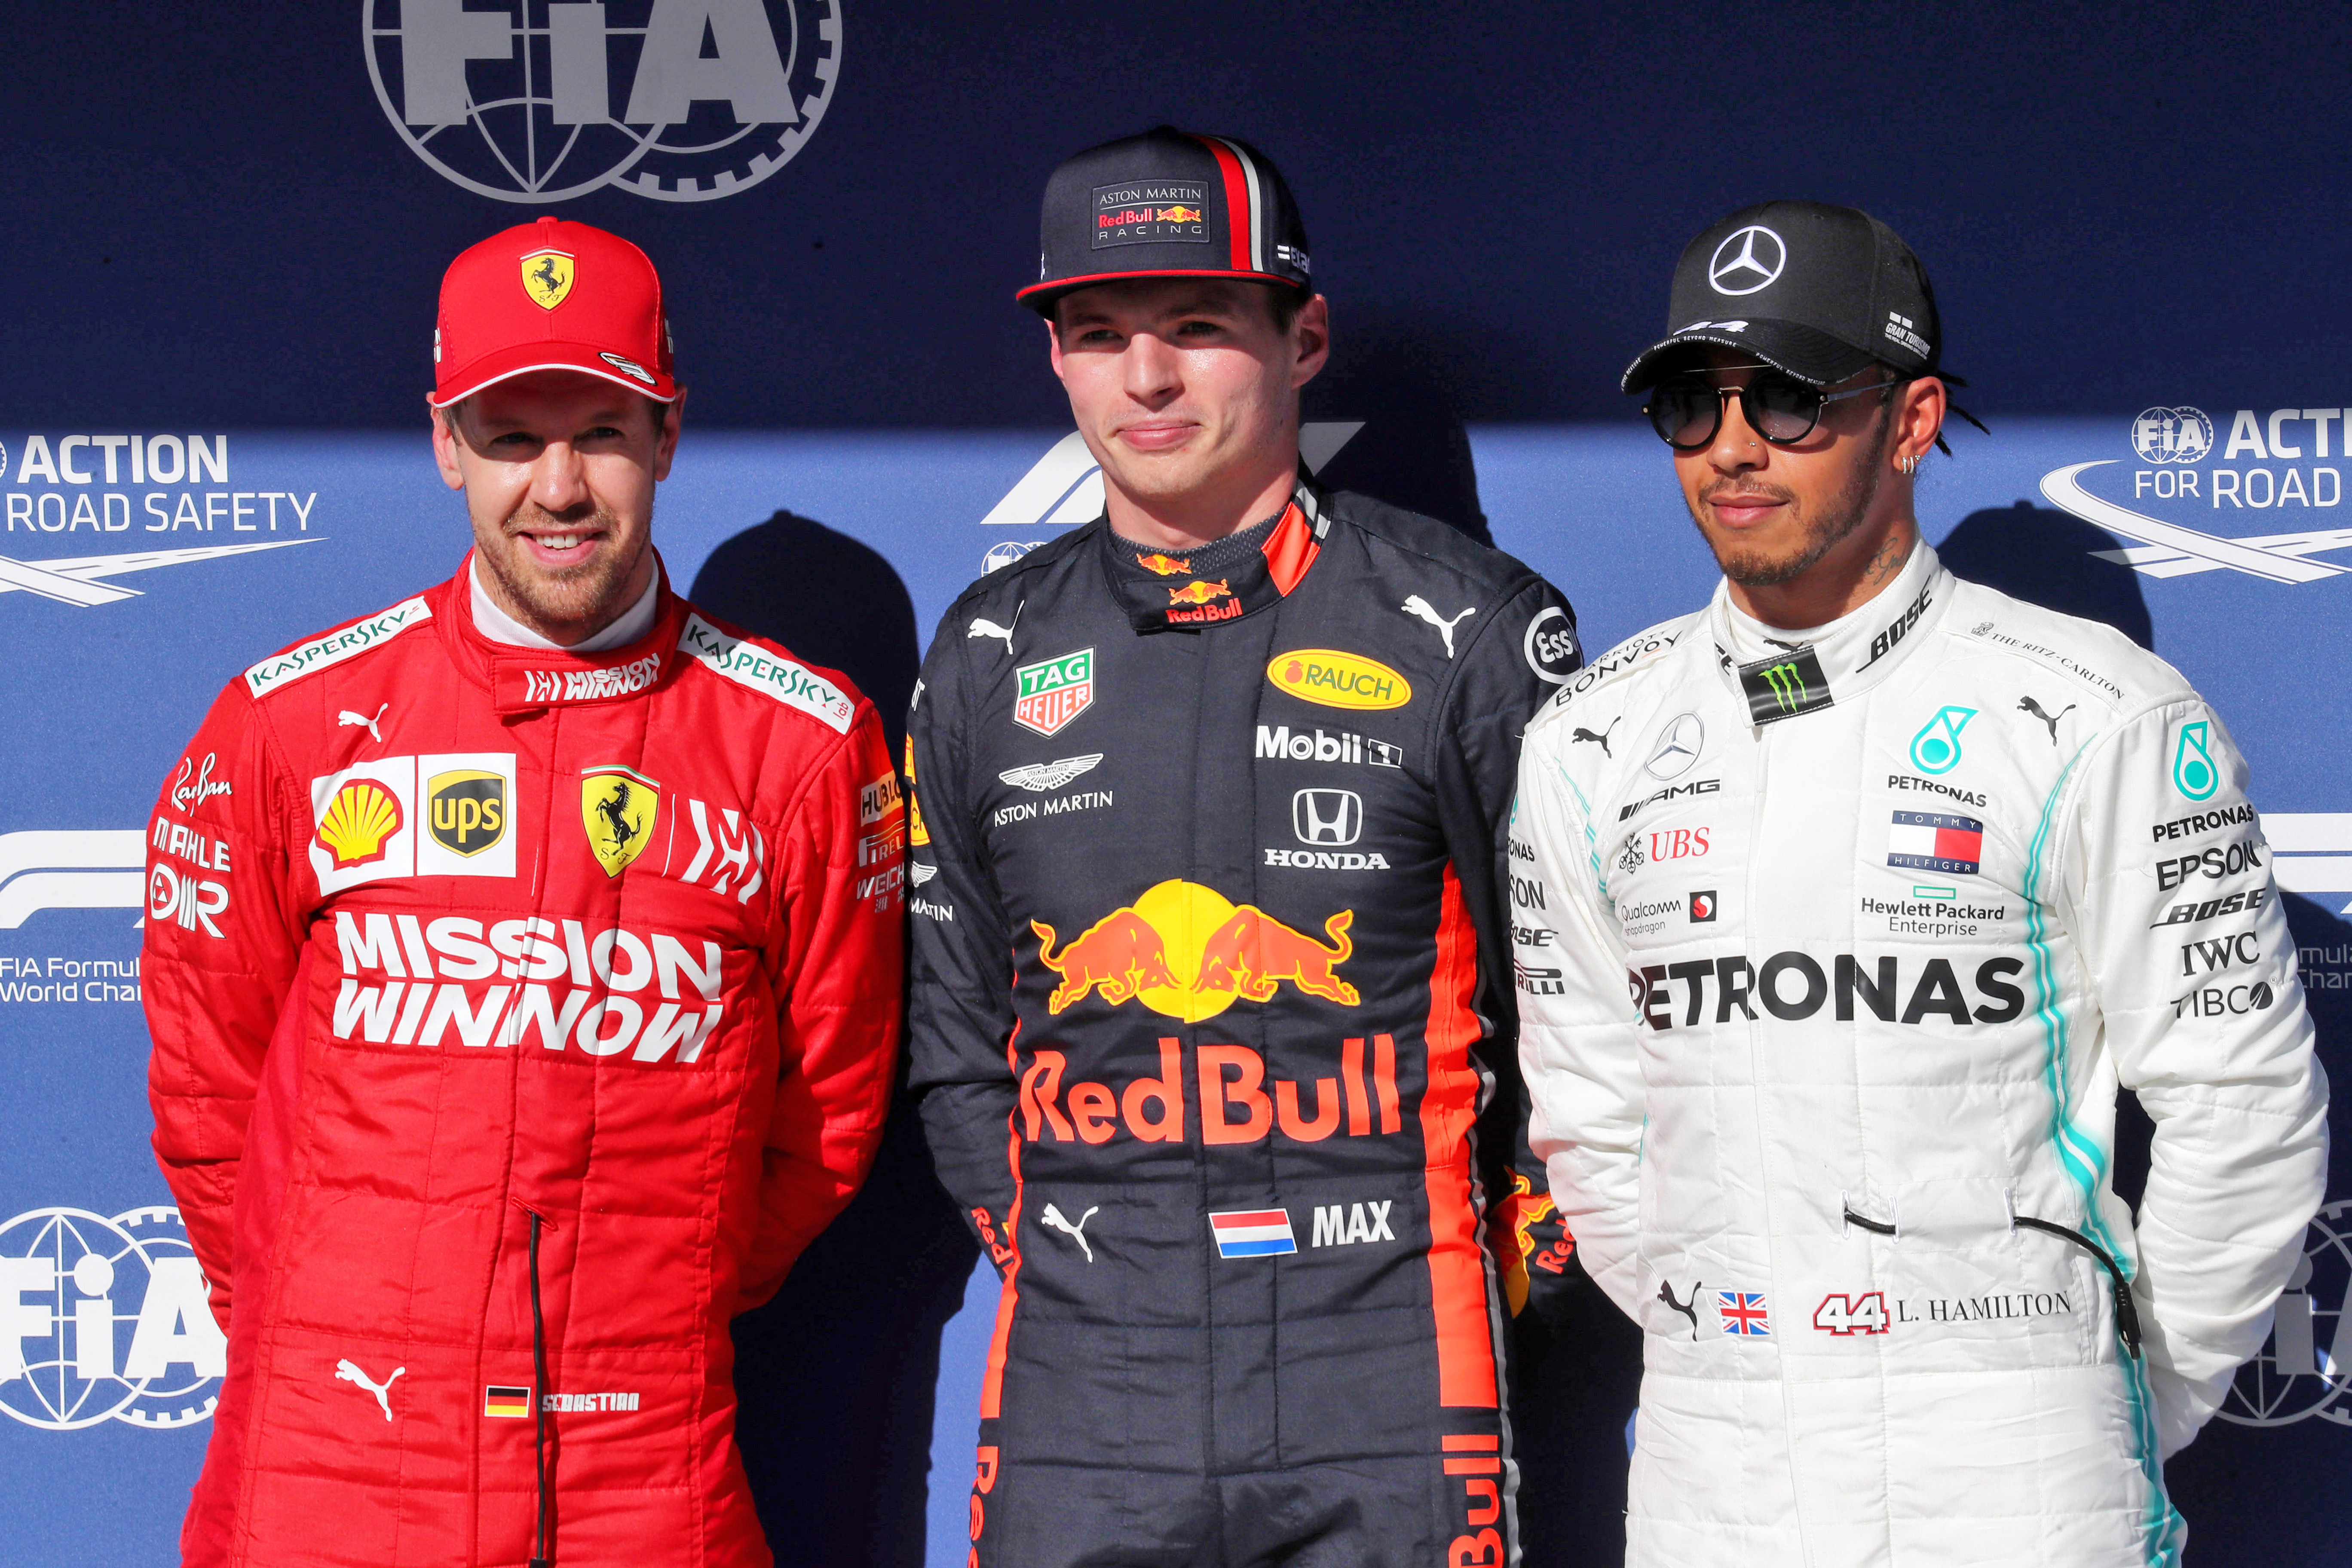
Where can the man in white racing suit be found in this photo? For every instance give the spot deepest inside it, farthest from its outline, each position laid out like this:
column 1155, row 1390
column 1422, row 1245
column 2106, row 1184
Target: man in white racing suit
column 1844, row 906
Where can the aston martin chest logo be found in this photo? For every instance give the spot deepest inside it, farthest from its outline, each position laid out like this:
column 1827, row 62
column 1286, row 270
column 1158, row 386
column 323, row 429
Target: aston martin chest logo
column 618, row 807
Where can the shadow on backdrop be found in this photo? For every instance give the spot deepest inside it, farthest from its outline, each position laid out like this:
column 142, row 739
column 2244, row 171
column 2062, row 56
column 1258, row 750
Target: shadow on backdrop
column 2249, row 1503
column 837, row 1374
column 1413, row 451
column 1574, row 1380
column 2045, row 557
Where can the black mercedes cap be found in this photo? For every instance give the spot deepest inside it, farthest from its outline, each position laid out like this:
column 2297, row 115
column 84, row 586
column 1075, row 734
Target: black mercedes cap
column 1817, row 291
column 1167, row 203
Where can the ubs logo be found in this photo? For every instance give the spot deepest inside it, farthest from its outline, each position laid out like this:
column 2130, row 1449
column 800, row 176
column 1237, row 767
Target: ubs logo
column 1327, row 817
column 105, row 1319
column 681, row 100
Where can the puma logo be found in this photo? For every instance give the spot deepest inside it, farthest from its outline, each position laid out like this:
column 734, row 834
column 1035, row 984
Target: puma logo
column 980, row 627
column 2027, row 705
column 347, row 1372
column 1687, row 1308
column 362, row 721
column 1421, row 609
column 1077, row 1233
column 1583, row 735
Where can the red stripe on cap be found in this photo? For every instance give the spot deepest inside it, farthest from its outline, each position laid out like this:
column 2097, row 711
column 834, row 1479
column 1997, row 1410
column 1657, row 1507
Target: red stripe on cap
column 1237, row 203
column 1289, row 551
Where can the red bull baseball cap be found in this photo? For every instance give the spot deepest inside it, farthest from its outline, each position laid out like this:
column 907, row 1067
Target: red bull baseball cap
column 1167, row 203
column 552, row 295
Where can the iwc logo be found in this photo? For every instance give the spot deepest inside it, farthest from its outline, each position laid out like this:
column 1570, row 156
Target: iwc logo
column 2306, row 1368
column 105, row 1319
column 682, row 101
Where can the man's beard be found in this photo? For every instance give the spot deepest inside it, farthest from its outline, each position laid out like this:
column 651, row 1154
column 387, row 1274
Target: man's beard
column 1846, row 512
column 566, row 594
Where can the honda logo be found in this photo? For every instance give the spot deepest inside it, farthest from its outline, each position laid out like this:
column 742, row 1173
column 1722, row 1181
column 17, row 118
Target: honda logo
column 1326, row 815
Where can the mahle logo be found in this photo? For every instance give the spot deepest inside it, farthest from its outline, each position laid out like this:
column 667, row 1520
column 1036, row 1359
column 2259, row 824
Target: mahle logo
column 2193, row 773
column 682, row 101
column 1936, row 749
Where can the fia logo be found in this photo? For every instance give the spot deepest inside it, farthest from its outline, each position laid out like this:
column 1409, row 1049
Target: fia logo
column 2306, row 1368
column 681, row 100
column 105, row 1319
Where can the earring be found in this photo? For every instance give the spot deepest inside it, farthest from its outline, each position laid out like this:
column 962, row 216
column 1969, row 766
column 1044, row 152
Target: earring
column 1907, row 464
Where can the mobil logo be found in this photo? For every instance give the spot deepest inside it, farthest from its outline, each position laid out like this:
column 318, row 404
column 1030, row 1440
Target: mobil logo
column 1188, row 951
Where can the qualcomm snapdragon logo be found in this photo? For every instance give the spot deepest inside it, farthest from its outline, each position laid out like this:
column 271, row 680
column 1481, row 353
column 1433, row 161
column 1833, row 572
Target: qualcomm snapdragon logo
column 540, row 101
column 2192, row 476
column 105, row 1319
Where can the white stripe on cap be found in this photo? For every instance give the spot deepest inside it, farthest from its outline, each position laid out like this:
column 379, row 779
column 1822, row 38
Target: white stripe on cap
column 1256, row 204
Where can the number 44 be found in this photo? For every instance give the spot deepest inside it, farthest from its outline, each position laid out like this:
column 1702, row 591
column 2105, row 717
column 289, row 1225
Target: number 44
column 1852, row 1314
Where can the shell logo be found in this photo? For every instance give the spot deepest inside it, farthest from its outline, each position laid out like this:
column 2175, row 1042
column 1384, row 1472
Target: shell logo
column 358, row 822
column 1336, row 679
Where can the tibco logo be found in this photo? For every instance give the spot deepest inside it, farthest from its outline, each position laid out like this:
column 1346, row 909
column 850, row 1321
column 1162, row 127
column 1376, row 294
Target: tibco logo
column 105, row 1319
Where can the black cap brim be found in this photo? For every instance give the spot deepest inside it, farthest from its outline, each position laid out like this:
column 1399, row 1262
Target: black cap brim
column 1806, row 352
column 1040, row 297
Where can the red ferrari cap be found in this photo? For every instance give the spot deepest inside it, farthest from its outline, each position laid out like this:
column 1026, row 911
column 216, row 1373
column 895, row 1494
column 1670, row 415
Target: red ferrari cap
column 552, row 295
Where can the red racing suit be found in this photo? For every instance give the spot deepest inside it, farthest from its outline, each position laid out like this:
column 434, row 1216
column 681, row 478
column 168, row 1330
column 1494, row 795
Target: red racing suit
column 517, row 1018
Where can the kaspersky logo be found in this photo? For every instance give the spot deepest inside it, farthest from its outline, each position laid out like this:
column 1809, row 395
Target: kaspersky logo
column 1784, row 686
column 1189, row 953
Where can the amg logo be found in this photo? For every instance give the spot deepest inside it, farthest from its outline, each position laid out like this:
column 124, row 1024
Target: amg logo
column 1337, row 1224
column 1701, row 786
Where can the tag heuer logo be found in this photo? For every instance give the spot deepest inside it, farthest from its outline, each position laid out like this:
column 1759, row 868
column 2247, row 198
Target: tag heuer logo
column 1055, row 691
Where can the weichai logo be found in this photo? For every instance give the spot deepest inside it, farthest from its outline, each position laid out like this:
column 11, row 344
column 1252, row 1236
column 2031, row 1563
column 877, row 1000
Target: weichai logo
column 411, row 981
column 1189, row 953
column 1229, row 1093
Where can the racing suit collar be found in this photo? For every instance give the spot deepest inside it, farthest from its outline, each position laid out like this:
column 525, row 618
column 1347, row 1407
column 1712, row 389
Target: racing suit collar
column 1187, row 602
column 527, row 680
column 1783, row 673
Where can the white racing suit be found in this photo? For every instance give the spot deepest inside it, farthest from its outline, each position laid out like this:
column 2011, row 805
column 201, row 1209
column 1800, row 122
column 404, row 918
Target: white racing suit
column 1832, row 950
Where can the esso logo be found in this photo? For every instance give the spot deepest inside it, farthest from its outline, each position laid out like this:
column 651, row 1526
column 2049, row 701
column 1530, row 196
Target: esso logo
column 681, row 100
column 105, row 1319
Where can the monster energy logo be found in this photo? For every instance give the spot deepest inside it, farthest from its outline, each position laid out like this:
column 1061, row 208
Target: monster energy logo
column 1788, row 683
column 1785, row 687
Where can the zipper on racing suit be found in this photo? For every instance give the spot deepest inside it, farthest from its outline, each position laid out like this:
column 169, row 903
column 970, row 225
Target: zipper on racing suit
column 545, row 1556
column 2126, row 1312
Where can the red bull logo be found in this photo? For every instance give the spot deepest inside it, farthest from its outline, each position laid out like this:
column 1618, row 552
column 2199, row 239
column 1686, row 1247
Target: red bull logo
column 1165, row 566
column 1199, row 593
column 1229, row 1095
column 1180, row 214
column 1187, row 951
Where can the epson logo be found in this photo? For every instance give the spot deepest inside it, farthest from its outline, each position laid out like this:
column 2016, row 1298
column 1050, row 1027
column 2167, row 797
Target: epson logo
column 1276, row 743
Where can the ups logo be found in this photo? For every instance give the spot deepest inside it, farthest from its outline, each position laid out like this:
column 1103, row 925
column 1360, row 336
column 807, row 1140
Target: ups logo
column 465, row 810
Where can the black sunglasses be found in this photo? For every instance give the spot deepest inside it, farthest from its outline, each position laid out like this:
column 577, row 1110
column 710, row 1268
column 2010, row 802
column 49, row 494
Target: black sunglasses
column 1687, row 410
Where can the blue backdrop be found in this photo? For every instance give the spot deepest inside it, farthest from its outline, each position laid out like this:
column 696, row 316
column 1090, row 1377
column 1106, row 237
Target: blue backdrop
column 225, row 233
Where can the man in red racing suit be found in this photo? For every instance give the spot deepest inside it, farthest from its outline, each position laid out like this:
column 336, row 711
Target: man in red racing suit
column 520, row 1013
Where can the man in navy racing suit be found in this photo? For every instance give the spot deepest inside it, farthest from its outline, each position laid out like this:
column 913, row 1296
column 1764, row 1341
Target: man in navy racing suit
column 1210, row 990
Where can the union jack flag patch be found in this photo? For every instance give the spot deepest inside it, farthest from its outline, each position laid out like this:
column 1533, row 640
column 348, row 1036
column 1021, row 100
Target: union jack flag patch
column 1744, row 1313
